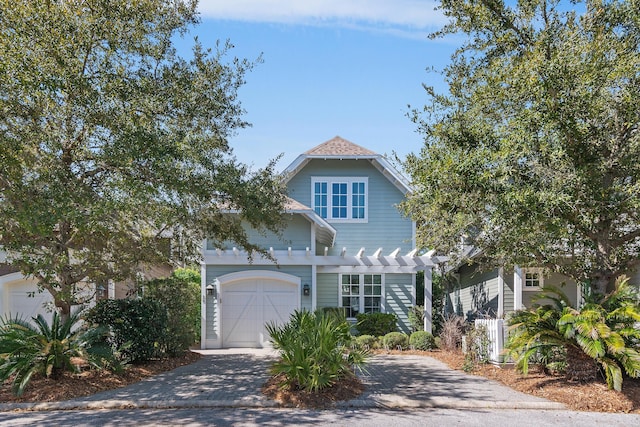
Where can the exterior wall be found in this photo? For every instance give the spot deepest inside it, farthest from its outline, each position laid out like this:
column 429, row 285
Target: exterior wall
column 507, row 291
column 565, row 284
column 385, row 227
column 399, row 296
column 296, row 234
column 302, row 271
column 327, row 284
column 477, row 293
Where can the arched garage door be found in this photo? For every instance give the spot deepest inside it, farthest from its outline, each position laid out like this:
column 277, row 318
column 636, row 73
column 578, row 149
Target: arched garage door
column 250, row 300
column 20, row 298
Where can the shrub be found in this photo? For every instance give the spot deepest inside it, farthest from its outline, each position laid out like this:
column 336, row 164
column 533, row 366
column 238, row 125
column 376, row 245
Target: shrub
column 376, row 323
column 180, row 295
column 366, row 342
column 603, row 332
column 393, row 340
column 478, row 345
column 422, row 340
column 313, row 350
column 416, row 318
column 451, row 335
column 137, row 326
column 27, row 349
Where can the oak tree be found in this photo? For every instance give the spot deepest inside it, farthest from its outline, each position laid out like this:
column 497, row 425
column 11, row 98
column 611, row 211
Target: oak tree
column 111, row 142
column 532, row 154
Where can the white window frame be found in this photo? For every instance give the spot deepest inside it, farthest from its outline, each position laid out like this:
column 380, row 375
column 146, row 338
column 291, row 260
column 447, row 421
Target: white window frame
column 361, row 293
column 330, row 180
column 539, row 272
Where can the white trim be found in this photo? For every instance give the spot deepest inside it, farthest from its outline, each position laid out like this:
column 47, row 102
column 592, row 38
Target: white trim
column 361, row 285
column 501, row 284
column 378, row 161
column 203, row 306
column 428, row 297
column 349, row 180
column 540, row 279
column 314, row 287
column 517, row 288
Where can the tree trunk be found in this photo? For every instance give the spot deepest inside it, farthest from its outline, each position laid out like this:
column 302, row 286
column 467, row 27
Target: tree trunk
column 580, row 367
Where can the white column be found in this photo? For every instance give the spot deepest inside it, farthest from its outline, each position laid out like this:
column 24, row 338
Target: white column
column 111, row 289
column 579, row 299
column 314, row 285
column 517, row 288
column 428, row 299
column 500, row 312
column 203, row 306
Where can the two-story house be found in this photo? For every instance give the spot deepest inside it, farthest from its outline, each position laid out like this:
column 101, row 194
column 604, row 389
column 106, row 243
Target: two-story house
column 345, row 245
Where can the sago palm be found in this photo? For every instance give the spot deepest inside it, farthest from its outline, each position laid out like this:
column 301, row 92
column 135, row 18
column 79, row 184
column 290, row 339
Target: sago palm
column 27, row 349
column 602, row 332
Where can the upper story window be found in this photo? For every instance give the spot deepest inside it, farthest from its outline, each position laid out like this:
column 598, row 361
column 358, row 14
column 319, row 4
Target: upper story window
column 340, row 199
column 532, row 278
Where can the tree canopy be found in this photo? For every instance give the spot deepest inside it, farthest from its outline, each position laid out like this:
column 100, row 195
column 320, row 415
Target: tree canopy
column 111, row 142
column 532, row 155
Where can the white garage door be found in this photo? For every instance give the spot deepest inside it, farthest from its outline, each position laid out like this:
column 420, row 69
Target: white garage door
column 248, row 305
column 25, row 306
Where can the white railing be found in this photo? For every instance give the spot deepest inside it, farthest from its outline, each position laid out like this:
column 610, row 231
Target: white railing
column 496, row 334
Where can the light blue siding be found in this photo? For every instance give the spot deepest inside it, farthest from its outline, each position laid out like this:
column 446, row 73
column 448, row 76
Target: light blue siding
column 399, row 297
column 327, row 292
column 508, row 291
column 296, row 234
column 478, row 293
column 301, row 271
column 386, row 226
column 565, row 284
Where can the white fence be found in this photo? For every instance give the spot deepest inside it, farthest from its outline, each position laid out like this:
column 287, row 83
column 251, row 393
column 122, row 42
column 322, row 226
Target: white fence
column 496, row 334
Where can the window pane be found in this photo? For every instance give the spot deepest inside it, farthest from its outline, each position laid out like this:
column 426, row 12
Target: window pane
column 355, row 278
column 345, row 279
column 339, row 199
column 377, row 279
column 320, row 198
column 377, row 290
column 368, row 279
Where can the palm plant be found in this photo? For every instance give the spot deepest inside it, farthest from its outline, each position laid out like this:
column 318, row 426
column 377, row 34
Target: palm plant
column 603, row 332
column 313, row 350
column 28, row 349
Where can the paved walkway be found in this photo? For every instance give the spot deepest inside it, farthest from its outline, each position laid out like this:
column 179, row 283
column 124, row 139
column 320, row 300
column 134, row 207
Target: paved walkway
column 233, row 378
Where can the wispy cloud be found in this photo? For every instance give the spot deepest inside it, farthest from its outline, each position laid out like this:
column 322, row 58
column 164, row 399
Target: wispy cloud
column 401, row 15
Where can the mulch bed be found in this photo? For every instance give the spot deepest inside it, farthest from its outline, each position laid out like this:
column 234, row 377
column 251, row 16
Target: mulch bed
column 589, row 396
column 89, row 382
column 344, row 389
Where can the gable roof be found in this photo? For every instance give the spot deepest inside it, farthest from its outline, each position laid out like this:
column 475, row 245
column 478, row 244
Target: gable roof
column 342, row 149
column 339, row 147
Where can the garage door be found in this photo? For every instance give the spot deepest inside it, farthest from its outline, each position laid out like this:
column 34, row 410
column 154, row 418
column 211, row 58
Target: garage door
column 26, row 306
column 248, row 305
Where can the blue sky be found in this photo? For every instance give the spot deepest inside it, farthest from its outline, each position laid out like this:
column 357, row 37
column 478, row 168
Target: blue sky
column 331, row 67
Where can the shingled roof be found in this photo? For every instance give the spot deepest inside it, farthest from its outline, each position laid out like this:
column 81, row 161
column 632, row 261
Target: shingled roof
column 339, row 147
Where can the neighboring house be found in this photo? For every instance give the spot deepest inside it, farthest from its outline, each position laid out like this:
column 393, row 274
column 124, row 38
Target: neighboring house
column 475, row 292
column 19, row 295
column 345, row 245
